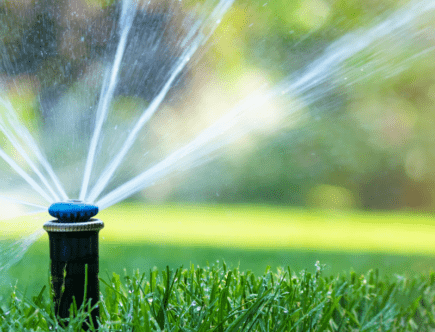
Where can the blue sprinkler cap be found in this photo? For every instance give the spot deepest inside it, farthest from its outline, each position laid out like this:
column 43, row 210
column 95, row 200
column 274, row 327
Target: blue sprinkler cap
column 72, row 211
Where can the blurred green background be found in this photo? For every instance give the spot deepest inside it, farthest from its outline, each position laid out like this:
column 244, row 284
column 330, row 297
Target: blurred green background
column 365, row 147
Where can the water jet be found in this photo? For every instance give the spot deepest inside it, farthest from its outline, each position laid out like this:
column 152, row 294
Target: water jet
column 73, row 241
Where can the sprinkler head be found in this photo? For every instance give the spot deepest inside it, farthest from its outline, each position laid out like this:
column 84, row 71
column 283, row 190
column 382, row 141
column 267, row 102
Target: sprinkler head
column 73, row 239
column 72, row 211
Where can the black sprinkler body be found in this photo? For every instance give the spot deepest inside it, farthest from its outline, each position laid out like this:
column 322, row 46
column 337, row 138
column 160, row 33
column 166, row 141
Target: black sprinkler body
column 73, row 238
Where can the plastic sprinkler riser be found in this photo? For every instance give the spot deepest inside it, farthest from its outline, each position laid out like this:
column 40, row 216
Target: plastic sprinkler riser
column 73, row 239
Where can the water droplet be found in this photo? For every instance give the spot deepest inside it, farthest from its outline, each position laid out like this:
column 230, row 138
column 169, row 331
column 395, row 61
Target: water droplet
column 193, row 303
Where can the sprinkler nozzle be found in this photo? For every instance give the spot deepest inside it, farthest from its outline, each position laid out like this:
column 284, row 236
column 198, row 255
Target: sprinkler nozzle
column 72, row 211
column 74, row 256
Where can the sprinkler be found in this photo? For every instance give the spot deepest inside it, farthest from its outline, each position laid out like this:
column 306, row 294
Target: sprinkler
column 73, row 238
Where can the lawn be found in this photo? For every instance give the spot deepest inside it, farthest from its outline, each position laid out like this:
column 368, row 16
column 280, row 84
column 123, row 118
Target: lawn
column 217, row 299
column 252, row 237
column 252, row 227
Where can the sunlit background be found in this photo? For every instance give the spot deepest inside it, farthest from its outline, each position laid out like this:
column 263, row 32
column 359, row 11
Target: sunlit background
column 321, row 143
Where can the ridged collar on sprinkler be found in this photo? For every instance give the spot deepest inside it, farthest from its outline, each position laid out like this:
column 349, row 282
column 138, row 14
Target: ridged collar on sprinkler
column 72, row 211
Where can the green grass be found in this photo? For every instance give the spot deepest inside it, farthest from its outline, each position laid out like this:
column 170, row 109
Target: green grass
column 221, row 299
column 32, row 272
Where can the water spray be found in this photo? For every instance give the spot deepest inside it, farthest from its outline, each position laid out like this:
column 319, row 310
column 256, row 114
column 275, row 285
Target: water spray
column 73, row 238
